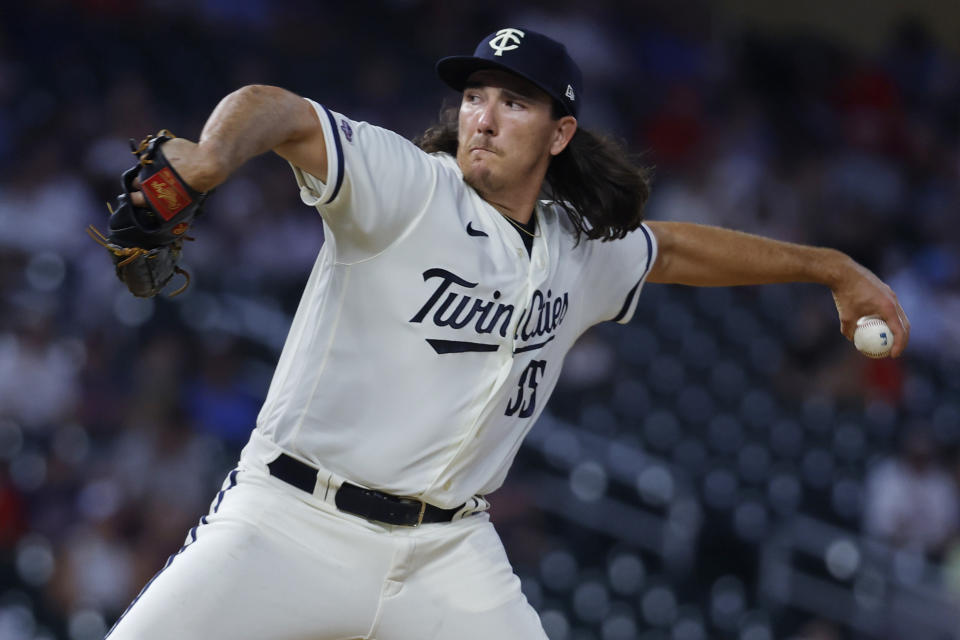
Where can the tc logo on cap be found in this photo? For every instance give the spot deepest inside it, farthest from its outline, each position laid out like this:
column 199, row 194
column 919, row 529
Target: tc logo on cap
column 505, row 40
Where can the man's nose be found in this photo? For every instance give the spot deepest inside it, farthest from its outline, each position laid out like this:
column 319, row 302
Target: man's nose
column 487, row 121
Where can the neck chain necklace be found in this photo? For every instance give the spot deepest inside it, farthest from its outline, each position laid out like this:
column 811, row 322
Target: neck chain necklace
column 521, row 227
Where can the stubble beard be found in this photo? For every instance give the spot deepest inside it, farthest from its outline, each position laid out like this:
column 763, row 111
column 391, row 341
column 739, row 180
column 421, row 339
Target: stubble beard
column 482, row 181
column 481, row 178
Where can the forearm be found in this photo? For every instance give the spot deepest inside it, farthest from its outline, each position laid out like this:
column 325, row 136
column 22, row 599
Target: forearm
column 701, row 255
column 707, row 256
column 251, row 121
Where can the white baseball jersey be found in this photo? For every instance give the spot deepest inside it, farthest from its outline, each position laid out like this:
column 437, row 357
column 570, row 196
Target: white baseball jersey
column 427, row 340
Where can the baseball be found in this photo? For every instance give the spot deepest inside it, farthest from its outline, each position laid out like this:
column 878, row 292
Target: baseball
column 873, row 337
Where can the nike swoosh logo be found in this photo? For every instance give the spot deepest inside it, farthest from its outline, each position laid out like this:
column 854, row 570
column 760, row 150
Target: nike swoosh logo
column 475, row 232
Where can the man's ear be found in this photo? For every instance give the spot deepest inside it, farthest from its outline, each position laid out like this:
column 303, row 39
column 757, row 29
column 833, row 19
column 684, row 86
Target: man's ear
column 562, row 134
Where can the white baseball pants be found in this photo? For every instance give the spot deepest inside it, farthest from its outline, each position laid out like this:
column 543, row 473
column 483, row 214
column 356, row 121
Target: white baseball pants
column 271, row 562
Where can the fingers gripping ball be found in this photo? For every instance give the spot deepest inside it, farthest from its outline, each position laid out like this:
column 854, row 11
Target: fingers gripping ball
column 873, row 337
column 145, row 242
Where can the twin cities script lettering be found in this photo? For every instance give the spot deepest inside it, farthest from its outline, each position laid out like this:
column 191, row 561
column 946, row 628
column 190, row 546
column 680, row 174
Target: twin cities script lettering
column 450, row 306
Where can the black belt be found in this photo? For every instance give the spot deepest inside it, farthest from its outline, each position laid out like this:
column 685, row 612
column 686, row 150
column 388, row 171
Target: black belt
column 366, row 503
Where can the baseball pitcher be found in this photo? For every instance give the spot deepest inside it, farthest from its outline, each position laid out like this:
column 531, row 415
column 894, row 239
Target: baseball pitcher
column 455, row 276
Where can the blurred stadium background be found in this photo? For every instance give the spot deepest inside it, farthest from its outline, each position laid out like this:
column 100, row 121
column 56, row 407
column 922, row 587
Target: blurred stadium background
column 726, row 466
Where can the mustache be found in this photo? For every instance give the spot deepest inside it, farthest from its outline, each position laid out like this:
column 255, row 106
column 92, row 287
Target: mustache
column 482, row 143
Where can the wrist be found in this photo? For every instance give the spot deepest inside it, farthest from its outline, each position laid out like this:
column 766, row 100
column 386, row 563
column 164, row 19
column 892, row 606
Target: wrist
column 831, row 268
column 212, row 167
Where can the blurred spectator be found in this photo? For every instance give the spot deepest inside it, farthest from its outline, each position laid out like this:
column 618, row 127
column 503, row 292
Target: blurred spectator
column 164, row 464
column 38, row 372
column 912, row 502
column 13, row 522
column 96, row 569
column 675, row 133
column 218, row 401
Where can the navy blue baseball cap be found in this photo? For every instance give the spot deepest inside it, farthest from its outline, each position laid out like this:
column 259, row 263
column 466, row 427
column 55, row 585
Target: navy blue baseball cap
column 526, row 53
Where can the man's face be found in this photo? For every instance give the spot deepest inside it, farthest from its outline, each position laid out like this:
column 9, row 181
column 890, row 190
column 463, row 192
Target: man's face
column 506, row 132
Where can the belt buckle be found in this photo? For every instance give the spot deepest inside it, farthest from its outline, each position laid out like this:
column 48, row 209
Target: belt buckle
column 423, row 509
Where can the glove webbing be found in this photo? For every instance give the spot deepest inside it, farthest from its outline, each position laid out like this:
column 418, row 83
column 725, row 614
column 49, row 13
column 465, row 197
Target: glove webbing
column 129, row 254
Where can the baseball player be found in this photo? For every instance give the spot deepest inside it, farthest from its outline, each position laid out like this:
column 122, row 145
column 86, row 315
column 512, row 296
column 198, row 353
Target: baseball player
column 430, row 334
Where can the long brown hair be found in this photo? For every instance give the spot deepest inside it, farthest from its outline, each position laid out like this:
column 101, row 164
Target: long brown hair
column 594, row 179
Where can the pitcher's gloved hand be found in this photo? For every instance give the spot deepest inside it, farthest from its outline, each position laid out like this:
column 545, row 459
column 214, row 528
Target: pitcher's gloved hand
column 146, row 242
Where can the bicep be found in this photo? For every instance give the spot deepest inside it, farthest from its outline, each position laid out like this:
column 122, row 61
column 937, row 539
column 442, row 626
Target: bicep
column 307, row 149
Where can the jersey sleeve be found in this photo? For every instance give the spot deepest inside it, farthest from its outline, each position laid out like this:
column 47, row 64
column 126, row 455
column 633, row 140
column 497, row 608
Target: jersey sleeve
column 614, row 275
column 378, row 183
